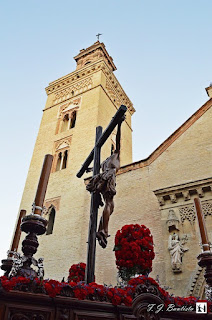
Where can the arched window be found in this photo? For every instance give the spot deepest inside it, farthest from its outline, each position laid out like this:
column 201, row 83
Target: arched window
column 73, row 120
column 50, row 224
column 65, row 122
column 62, row 159
column 68, row 121
column 59, row 160
column 61, row 154
column 65, row 158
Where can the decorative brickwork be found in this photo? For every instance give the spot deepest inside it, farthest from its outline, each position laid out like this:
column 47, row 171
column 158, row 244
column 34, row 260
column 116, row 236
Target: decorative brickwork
column 117, row 94
column 74, row 89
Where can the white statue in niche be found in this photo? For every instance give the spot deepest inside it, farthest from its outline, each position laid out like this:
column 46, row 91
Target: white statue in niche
column 176, row 249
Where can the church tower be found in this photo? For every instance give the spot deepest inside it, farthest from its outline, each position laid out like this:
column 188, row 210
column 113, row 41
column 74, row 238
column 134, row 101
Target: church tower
column 76, row 104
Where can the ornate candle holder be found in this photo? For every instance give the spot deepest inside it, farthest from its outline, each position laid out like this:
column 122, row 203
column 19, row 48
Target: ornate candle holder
column 205, row 261
column 7, row 263
column 33, row 224
column 205, row 258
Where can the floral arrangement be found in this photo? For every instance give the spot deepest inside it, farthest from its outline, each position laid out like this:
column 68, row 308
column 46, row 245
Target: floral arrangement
column 80, row 290
column 134, row 251
column 77, row 272
column 92, row 291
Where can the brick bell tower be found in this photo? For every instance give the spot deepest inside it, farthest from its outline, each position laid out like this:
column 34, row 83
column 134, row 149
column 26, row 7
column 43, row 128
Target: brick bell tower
column 76, row 104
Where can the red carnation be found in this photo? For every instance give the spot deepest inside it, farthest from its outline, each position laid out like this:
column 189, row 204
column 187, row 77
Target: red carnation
column 77, row 272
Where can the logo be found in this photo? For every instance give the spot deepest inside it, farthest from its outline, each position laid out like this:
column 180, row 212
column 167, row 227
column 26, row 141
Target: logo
column 201, row 307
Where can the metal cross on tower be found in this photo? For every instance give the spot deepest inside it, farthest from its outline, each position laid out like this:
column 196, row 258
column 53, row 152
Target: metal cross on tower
column 98, row 35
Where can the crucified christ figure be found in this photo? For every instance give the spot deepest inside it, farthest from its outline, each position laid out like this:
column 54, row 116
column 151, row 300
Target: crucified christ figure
column 105, row 184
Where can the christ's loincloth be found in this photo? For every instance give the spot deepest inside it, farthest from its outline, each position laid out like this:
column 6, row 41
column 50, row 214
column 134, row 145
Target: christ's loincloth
column 103, row 183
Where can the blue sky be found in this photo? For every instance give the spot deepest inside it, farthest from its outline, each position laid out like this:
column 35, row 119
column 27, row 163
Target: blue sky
column 162, row 50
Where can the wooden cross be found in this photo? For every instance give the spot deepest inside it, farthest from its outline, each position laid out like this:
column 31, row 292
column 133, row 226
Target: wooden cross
column 101, row 138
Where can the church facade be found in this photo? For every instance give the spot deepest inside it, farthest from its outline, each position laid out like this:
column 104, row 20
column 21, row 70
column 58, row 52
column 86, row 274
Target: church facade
column 157, row 192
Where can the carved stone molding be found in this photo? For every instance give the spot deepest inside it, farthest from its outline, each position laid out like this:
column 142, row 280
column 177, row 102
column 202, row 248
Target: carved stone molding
column 186, row 195
column 188, row 212
column 63, row 143
column 197, row 286
column 172, row 221
column 68, row 107
column 184, row 191
column 207, row 208
column 173, row 198
column 52, row 202
column 66, row 111
column 60, row 145
column 161, row 201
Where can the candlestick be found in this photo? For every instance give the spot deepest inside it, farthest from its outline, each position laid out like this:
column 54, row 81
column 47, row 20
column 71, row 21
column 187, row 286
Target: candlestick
column 17, row 234
column 202, row 226
column 33, row 224
column 43, row 182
